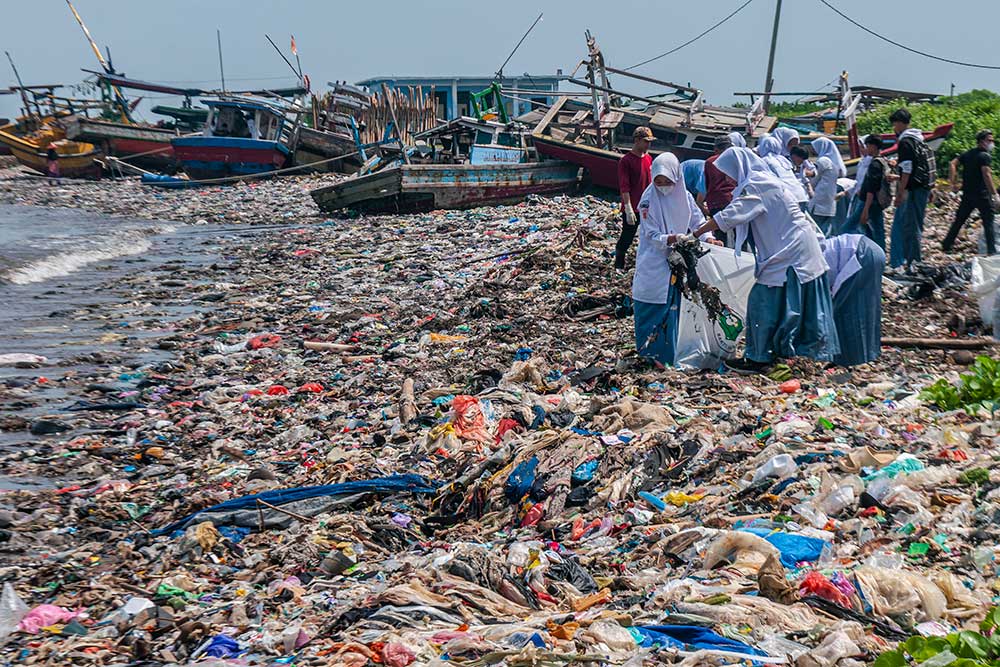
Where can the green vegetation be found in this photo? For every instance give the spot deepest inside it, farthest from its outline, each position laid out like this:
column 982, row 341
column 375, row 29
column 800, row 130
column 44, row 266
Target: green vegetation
column 959, row 649
column 793, row 109
column 978, row 389
column 970, row 112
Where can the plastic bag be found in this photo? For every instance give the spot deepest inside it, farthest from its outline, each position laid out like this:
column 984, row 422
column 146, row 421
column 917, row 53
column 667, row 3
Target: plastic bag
column 893, row 592
column 704, row 342
column 780, row 466
column 12, row 610
column 818, row 585
column 834, row 647
column 985, row 271
column 43, row 616
column 746, row 550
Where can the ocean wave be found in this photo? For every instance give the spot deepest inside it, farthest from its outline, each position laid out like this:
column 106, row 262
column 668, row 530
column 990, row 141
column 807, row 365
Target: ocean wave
column 65, row 263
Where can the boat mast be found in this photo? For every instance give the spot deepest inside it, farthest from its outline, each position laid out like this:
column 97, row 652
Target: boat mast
column 769, row 81
column 20, row 85
column 499, row 73
column 222, row 72
column 119, row 96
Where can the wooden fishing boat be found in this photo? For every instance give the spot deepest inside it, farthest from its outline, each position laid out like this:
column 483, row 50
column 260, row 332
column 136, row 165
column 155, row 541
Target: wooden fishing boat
column 428, row 187
column 30, row 147
column 143, row 145
column 595, row 134
column 242, row 136
column 315, row 145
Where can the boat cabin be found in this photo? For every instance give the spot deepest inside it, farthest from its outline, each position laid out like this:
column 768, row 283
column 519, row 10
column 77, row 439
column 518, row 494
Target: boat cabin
column 244, row 120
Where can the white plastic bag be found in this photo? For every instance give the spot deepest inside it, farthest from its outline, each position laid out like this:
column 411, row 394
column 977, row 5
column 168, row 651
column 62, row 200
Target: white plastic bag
column 701, row 342
column 780, row 466
column 12, row 610
column 985, row 271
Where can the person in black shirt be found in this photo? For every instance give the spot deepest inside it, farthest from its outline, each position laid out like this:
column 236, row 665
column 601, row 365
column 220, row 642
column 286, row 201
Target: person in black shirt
column 978, row 190
column 911, row 194
column 872, row 216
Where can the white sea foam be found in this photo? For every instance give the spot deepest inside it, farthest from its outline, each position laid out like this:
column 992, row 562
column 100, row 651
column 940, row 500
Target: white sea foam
column 65, row 263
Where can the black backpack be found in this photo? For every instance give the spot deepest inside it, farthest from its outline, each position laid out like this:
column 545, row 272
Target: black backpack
column 924, row 164
column 884, row 195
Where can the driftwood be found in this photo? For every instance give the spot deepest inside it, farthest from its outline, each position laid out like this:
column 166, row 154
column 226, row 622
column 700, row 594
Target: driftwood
column 407, row 402
column 940, row 343
column 324, row 346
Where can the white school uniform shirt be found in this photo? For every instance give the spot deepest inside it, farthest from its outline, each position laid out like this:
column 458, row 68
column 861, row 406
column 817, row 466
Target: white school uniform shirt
column 824, row 183
column 769, row 150
column 829, row 167
column 659, row 216
column 783, row 235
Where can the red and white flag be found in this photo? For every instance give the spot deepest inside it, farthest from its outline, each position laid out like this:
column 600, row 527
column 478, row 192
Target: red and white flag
column 295, row 50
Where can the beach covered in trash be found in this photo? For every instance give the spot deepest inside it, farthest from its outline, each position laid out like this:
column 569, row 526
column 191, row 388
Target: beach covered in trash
column 426, row 439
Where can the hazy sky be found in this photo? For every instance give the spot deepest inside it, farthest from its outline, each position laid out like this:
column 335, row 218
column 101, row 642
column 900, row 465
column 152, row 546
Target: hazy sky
column 174, row 41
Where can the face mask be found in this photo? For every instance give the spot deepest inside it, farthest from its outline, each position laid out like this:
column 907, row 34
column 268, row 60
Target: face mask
column 989, row 147
column 665, row 189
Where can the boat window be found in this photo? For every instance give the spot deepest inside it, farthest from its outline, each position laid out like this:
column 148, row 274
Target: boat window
column 703, row 143
column 270, row 126
column 230, row 122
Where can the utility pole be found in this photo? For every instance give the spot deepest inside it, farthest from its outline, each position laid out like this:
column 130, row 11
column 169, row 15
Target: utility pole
column 769, row 81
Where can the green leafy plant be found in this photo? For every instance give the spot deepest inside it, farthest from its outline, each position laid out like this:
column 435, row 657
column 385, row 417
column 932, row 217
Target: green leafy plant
column 977, row 390
column 959, row 649
column 970, row 112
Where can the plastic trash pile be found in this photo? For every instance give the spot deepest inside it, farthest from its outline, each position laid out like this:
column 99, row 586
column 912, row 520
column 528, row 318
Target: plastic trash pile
column 426, row 439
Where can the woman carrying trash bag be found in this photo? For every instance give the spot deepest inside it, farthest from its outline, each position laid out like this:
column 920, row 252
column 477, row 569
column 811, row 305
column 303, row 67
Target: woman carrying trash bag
column 667, row 211
column 789, row 311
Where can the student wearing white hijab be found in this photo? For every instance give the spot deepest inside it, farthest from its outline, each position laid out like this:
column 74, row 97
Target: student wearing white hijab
column 667, row 211
column 737, row 140
column 829, row 167
column 788, row 138
column 789, row 311
column 769, row 150
column 856, row 264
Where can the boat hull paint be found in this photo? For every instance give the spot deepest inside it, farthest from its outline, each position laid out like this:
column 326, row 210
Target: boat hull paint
column 421, row 188
column 219, row 157
column 151, row 144
column 76, row 159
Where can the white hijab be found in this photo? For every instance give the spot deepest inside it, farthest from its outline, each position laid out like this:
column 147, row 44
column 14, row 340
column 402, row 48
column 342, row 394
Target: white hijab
column 769, row 146
column 674, row 206
column 769, row 150
column 737, row 140
column 784, row 135
column 825, row 147
column 745, row 168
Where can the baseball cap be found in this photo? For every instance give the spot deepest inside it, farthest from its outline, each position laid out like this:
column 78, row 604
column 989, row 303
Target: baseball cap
column 643, row 133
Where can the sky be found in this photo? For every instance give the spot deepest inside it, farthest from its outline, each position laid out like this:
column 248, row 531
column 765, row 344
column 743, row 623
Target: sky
column 175, row 41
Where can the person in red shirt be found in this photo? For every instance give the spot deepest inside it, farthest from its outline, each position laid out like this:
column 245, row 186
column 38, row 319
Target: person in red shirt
column 633, row 179
column 718, row 187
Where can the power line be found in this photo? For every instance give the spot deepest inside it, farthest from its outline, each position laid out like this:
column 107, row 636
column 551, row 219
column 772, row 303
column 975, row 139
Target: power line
column 692, row 41
column 907, row 48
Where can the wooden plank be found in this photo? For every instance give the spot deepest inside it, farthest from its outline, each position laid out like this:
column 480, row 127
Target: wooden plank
column 940, row 343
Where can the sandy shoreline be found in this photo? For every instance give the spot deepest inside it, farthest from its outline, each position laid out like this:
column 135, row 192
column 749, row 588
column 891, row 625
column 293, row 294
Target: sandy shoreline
column 243, row 406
